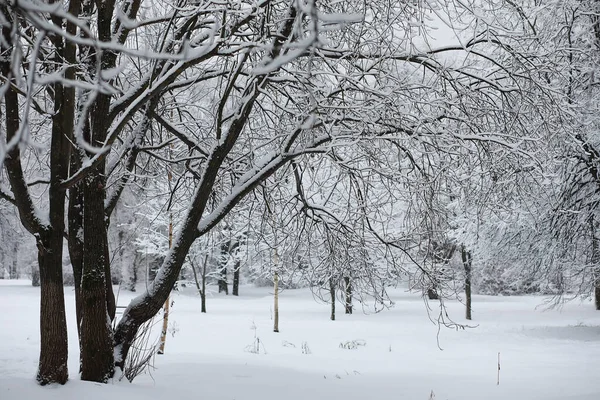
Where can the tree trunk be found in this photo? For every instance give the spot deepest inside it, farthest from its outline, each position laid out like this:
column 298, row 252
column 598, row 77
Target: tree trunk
column 53, row 323
column 163, row 335
column 597, row 286
column 595, row 262
column 348, row 290
column 332, row 294
column 134, row 277
column 432, row 294
column 201, row 286
column 203, row 293
column 467, row 263
column 276, row 299
column 97, row 363
column 236, row 279
column 223, row 279
column 35, row 275
column 14, row 272
column 75, row 241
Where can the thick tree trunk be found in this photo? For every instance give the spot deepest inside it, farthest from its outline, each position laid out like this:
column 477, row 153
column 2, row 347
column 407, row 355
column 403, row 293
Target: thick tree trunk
column 332, row 296
column 236, row 279
column 467, row 263
column 348, row 290
column 97, row 363
column 53, row 323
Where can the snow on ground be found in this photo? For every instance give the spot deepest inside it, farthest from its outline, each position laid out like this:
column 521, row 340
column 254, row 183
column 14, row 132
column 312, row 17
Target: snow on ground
column 544, row 354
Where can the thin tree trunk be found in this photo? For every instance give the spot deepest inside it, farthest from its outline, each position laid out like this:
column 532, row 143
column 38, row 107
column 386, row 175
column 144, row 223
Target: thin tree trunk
column 236, row 279
column 595, row 262
column 223, row 280
column 348, row 290
column 75, row 241
column 276, row 298
column 332, row 294
column 203, row 293
column 467, row 263
column 597, row 292
column 35, row 275
column 14, row 273
column 222, row 283
column 163, row 335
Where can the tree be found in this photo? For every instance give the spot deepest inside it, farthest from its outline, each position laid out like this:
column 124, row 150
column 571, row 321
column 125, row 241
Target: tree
column 228, row 95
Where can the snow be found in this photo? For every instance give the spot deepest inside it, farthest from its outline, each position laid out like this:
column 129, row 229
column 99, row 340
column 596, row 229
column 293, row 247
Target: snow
column 544, row 354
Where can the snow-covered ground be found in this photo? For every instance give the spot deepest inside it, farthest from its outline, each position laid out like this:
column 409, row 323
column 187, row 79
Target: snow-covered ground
column 544, row 354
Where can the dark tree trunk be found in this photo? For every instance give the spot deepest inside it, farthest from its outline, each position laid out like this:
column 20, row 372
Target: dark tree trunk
column 53, row 323
column 348, row 290
column 223, row 279
column 467, row 263
column 75, row 240
column 134, row 274
column 97, row 363
column 332, row 295
column 14, row 272
column 236, row 279
column 597, row 293
column 35, row 275
column 97, row 356
column 203, row 300
column 432, row 294
column 201, row 286
column 595, row 262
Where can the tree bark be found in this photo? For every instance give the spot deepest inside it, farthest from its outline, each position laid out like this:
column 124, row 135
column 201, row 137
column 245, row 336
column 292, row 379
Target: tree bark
column 236, row 279
column 276, row 300
column 75, row 241
column 467, row 263
column 597, row 292
column 14, row 272
column 332, row 295
column 348, row 290
column 53, row 323
column 223, row 280
column 595, row 262
column 97, row 363
column 432, row 294
column 224, row 257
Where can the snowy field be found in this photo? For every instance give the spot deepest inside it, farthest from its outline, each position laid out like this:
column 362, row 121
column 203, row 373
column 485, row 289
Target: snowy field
column 544, row 354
